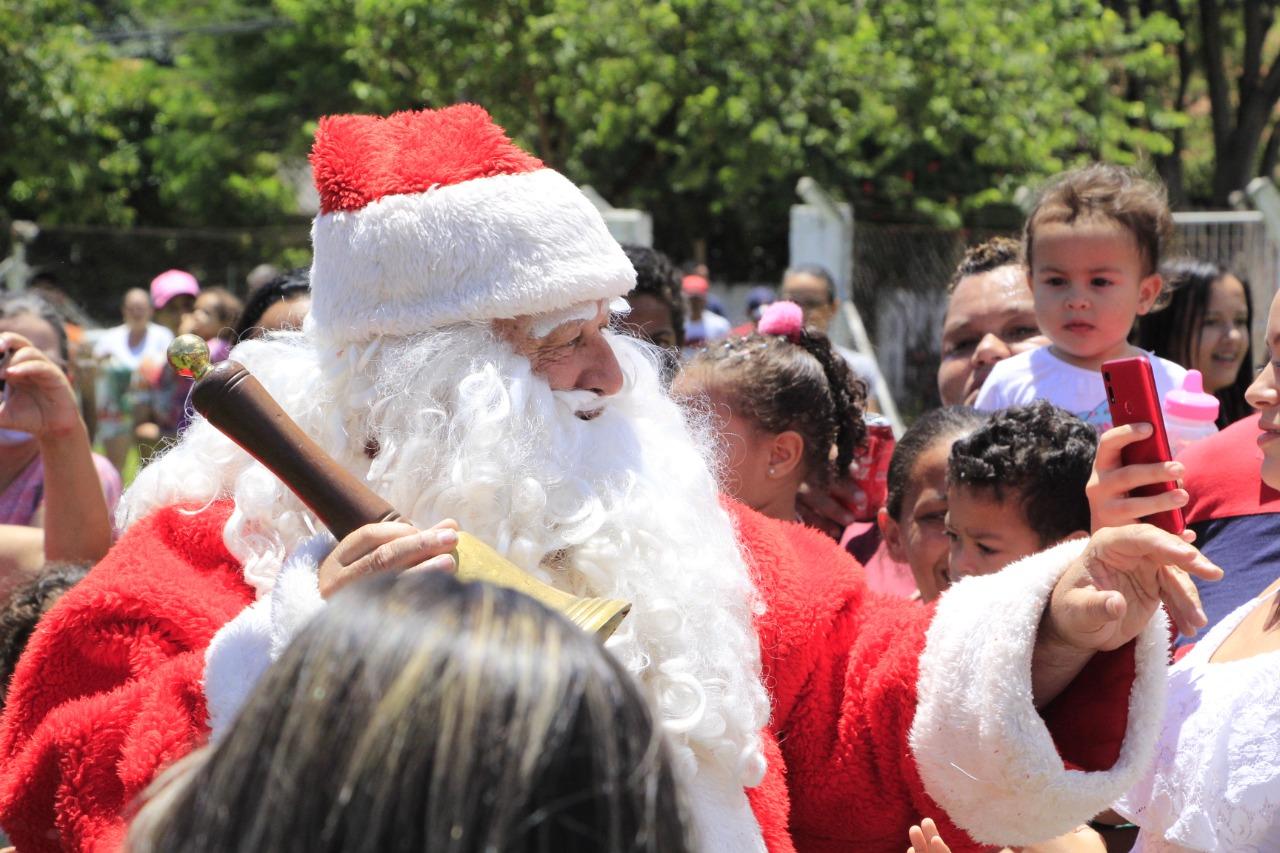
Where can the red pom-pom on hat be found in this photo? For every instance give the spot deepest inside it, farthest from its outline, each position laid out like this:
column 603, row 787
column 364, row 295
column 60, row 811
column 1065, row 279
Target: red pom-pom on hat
column 358, row 159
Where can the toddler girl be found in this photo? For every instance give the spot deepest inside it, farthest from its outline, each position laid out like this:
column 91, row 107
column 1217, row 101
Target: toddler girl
column 1093, row 245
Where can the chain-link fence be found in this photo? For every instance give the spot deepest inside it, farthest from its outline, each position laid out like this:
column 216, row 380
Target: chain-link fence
column 1237, row 240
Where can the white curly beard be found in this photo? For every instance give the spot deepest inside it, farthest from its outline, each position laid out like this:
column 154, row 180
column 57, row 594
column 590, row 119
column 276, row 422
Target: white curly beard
column 626, row 501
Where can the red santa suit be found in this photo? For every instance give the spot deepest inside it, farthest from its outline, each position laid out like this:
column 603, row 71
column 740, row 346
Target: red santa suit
column 883, row 711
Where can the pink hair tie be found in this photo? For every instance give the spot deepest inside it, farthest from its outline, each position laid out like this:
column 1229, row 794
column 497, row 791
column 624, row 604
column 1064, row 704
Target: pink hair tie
column 782, row 318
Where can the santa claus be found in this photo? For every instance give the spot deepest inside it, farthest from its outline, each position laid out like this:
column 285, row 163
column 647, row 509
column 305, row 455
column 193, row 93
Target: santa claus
column 458, row 358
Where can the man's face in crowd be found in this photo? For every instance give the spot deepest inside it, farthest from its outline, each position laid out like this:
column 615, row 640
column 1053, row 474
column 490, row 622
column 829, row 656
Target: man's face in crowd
column 573, row 356
column 813, row 297
column 697, row 303
column 990, row 317
column 650, row 320
column 137, row 308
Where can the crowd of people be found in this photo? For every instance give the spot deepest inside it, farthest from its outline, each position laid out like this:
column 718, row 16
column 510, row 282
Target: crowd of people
column 963, row 637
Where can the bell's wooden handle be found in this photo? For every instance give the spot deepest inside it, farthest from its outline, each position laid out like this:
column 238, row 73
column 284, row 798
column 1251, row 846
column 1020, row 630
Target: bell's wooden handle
column 234, row 401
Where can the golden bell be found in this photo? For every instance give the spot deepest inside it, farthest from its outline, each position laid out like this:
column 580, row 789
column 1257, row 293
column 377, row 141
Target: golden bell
column 478, row 562
column 189, row 356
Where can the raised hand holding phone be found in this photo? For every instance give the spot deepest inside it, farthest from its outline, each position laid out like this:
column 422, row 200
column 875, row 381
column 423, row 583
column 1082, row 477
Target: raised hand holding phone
column 37, row 397
column 1144, row 485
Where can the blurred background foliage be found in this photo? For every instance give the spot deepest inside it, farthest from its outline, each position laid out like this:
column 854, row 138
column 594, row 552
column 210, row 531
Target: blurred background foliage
column 181, row 114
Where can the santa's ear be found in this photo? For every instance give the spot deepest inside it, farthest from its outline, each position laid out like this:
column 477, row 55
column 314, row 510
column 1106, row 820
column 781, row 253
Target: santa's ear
column 891, row 533
column 786, row 453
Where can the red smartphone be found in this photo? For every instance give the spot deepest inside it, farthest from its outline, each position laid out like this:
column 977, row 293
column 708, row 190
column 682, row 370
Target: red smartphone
column 1132, row 396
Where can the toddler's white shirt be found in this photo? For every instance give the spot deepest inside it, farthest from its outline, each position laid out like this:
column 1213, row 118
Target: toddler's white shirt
column 1040, row 375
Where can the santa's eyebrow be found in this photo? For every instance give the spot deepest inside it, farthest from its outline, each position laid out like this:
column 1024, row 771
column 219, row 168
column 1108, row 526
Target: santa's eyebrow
column 543, row 325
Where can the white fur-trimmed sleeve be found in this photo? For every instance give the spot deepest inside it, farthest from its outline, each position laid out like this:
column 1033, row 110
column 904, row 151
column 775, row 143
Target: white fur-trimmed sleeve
column 242, row 649
column 982, row 749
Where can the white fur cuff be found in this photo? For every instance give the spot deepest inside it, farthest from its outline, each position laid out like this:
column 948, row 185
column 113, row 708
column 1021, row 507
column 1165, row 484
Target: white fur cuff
column 983, row 751
column 242, row 649
column 296, row 596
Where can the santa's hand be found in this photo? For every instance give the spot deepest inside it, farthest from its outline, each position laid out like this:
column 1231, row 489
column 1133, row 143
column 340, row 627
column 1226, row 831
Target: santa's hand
column 925, row 838
column 1111, row 482
column 38, row 397
column 388, row 546
column 1111, row 590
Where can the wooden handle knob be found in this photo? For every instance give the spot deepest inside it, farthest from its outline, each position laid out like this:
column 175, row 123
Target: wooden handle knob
column 235, row 402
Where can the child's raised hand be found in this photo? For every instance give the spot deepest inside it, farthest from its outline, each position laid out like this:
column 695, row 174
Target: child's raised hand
column 38, row 398
column 1111, row 482
column 925, row 838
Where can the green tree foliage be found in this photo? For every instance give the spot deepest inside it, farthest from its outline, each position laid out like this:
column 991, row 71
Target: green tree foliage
column 62, row 158
column 705, row 113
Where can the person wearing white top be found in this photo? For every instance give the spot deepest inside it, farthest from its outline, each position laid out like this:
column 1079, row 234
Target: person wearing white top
column 1215, row 783
column 124, row 352
column 1041, row 375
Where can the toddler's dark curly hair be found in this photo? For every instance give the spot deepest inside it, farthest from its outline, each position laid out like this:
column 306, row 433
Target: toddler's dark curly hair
column 799, row 384
column 24, row 609
column 1038, row 454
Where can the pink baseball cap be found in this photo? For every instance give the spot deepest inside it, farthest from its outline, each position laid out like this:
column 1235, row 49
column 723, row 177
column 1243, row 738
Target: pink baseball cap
column 171, row 283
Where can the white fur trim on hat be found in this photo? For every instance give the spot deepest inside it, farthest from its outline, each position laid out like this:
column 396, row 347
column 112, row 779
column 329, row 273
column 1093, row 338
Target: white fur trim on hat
column 983, row 751
column 495, row 247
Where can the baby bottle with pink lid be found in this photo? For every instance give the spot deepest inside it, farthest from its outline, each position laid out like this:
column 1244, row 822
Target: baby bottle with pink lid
column 1190, row 414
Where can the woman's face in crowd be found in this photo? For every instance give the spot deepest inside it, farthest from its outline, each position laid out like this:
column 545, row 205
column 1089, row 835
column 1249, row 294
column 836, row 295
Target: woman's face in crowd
column 990, row 317
column 285, row 314
column 1224, row 334
column 173, row 312
column 40, row 333
column 921, row 539
column 43, row 338
column 1264, row 395
column 206, row 317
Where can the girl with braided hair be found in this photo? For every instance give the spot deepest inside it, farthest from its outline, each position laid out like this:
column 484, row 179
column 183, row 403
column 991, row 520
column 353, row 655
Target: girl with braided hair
column 784, row 404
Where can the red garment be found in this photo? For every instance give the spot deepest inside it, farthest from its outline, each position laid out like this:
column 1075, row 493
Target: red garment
column 1236, row 517
column 1224, row 475
column 110, row 690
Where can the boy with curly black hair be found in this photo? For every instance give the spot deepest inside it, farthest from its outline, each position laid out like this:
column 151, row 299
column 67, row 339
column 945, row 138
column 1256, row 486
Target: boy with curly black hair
column 1016, row 486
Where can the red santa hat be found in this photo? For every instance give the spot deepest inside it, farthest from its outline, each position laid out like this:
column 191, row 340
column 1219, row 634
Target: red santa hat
column 435, row 217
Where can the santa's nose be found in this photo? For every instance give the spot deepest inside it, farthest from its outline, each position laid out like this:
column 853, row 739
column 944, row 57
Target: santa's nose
column 600, row 371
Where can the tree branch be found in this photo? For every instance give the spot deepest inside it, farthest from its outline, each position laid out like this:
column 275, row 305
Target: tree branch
column 1270, row 89
column 1271, row 153
column 1254, row 31
column 1215, row 74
